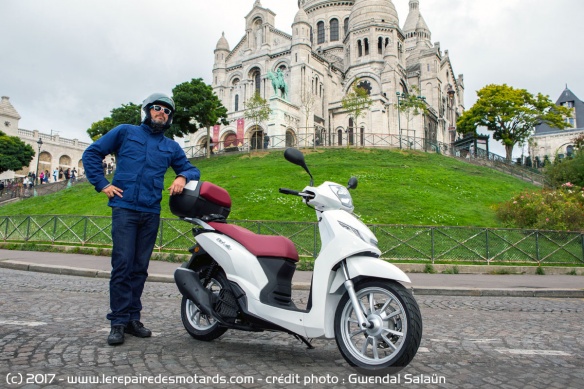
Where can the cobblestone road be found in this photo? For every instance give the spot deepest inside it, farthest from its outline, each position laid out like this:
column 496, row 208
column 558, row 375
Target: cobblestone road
column 53, row 334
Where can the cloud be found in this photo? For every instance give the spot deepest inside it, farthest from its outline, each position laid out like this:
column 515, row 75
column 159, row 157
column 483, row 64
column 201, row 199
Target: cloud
column 66, row 63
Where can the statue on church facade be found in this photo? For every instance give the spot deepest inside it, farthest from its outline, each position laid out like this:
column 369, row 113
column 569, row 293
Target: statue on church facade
column 279, row 83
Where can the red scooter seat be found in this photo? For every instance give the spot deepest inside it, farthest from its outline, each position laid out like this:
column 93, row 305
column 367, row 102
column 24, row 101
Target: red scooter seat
column 259, row 245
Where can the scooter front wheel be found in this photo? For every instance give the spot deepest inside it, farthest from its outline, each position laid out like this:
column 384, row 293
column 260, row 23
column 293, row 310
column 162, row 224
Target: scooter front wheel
column 197, row 324
column 394, row 332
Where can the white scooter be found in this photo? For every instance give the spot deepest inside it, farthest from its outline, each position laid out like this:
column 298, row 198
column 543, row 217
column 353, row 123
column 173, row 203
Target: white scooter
column 236, row 279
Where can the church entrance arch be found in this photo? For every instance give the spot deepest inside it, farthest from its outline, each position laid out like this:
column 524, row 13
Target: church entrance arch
column 350, row 132
column 257, row 139
column 290, row 138
column 203, row 146
column 65, row 162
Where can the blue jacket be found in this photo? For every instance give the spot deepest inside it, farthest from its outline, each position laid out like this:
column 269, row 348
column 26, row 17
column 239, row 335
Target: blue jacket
column 142, row 159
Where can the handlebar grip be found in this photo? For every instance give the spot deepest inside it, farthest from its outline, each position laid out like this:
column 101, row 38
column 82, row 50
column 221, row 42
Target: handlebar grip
column 289, row 191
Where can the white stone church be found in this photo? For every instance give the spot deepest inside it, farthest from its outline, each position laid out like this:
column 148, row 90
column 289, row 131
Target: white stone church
column 333, row 45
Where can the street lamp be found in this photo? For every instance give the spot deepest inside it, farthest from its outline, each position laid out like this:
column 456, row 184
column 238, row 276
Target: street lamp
column 451, row 127
column 398, row 94
column 40, row 143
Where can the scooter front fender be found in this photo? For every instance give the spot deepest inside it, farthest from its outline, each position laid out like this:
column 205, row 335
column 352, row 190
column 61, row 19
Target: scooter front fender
column 368, row 267
column 358, row 266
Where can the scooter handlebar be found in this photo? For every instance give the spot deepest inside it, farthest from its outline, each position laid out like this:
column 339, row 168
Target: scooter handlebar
column 289, row 191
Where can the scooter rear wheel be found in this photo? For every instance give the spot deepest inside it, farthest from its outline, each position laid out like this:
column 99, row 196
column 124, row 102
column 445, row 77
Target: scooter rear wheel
column 197, row 324
column 395, row 332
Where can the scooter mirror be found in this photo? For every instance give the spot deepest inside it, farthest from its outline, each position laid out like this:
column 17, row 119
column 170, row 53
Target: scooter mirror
column 296, row 157
column 352, row 183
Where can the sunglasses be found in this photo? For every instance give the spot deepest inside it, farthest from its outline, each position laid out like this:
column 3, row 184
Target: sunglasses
column 159, row 108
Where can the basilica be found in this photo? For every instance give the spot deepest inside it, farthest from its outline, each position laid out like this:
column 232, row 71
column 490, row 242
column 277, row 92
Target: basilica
column 304, row 75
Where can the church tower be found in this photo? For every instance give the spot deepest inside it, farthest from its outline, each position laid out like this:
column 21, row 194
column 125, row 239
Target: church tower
column 375, row 48
column 301, row 51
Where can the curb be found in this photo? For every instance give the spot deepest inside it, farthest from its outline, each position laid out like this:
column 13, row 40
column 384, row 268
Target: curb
column 422, row 291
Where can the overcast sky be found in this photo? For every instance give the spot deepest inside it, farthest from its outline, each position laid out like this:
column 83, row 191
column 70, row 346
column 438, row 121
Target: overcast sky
column 66, row 63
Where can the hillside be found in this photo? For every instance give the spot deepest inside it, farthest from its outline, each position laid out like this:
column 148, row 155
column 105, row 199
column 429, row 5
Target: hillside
column 395, row 187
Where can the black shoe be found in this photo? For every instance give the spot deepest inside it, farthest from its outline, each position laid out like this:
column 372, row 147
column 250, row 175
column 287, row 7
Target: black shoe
column 137, row 329
column 116, row 335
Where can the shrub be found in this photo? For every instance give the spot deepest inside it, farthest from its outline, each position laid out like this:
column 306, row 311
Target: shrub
column 568, row 170
column 561, row 209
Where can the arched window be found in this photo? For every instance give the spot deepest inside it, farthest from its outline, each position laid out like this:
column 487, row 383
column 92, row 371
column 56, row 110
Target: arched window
column 340, row 137
column 359, row 48
column 320, row 32
column 346, row 26
column 366, row 43
column 334, row 30
column 236, row 103
column 257, row 81
column 380, row 45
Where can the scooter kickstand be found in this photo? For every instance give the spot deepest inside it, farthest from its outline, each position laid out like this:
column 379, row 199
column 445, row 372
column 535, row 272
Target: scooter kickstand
column 305, row 341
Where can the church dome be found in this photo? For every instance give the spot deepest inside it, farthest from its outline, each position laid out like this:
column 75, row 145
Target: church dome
column 222, row 44
column 366, row 12
column 301, row 17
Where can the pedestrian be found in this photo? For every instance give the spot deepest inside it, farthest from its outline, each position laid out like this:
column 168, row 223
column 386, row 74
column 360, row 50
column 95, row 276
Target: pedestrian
column 143, row 155
column 1, row 188
column 60, row 173
column 12, row 189
column 55, row 174
column 73, row 175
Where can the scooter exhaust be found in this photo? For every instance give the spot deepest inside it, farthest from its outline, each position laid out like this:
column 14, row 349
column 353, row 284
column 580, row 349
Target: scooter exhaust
column 190, row 286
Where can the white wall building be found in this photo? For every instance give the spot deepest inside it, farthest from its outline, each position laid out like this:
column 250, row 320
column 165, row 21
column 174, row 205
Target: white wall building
column 552, row 142
column 334, row 44
column 54, row 152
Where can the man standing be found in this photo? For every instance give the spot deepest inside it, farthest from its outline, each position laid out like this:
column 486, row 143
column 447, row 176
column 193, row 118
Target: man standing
column 143, row 156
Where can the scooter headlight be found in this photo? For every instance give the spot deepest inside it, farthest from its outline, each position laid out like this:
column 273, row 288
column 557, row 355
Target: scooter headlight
column 343, row 194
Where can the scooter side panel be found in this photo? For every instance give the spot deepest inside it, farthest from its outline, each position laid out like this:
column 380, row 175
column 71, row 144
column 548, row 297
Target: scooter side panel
column 240, row 265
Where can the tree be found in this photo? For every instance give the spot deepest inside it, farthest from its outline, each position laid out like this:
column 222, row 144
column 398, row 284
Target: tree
column 511, row 114
column 126, row 114
column 356, row 102
column 307, row 100
column 412, row 105
column 569, row 170
column 579, row 142
column 197, row 106
column 14, row 153
column 257, row 110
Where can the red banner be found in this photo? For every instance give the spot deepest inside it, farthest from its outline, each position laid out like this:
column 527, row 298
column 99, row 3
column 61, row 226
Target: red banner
column 215, row 136
column 240, row 128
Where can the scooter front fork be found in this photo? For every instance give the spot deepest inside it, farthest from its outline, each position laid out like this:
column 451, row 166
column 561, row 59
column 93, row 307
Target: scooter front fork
column 363, row 322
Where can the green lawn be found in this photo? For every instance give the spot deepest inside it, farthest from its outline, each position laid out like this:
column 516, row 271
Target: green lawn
column 395, row 187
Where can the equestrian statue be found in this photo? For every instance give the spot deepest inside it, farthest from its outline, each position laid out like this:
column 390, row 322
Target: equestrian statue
column 279, row 83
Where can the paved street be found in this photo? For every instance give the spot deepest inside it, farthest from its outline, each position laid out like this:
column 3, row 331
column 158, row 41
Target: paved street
column 53, row 334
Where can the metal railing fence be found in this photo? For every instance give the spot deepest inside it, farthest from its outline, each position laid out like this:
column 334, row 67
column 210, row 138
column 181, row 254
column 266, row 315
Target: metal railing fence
column 397, row 242
column 371, row 140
